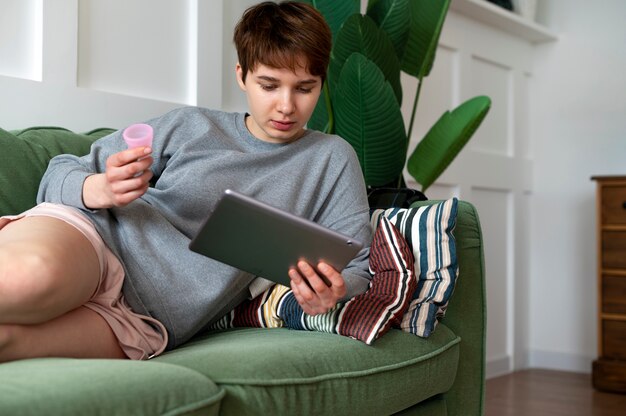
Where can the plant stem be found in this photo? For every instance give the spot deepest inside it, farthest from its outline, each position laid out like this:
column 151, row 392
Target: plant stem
column 417, row 96
column 408, row 135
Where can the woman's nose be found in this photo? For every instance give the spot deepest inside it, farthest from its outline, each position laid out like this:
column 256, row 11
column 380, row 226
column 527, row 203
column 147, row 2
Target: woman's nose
column 286, row 104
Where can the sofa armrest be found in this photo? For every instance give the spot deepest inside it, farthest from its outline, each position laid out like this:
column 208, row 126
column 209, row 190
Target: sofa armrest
column 466, row 314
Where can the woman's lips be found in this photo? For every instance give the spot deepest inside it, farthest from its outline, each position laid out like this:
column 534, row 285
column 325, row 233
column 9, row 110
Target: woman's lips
column 282, row 125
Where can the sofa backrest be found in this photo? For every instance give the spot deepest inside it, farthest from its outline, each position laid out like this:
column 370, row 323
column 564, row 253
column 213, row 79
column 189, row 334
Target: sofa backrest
column 24, row 157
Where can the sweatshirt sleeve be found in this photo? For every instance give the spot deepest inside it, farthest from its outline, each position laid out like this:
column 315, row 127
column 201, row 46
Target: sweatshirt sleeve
column 347, row 211
column 356, row 274
column 62, row 183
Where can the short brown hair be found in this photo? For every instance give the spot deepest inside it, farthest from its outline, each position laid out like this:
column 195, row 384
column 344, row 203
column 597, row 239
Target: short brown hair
column 280, row 34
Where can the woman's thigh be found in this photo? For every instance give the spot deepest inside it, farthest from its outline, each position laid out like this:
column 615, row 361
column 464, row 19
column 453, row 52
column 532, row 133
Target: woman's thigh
column 80, row 333
column 47, row 268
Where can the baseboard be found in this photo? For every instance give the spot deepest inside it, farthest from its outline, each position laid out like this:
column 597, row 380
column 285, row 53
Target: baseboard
column 540, row 359
column 559, row 361
column 498, row 366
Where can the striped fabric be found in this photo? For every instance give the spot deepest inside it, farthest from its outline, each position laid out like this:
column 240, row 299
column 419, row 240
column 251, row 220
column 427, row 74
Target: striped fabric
column 365, row 317
column 429, row 232
column 369, row 315
column 260, row 312
column 414, row 268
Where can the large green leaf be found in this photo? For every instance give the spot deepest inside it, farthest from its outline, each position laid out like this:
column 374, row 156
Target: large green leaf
column 361, row 34
column 319, row 118
column 445, row 139
column 335, row 11
column 427, row 17
column 369, row 118
column 393, row 17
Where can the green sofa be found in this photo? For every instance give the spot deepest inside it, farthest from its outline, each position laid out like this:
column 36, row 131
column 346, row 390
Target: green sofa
column 250, row 370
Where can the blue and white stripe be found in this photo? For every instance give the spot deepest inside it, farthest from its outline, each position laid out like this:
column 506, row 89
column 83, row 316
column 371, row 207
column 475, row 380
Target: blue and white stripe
column 429, row 231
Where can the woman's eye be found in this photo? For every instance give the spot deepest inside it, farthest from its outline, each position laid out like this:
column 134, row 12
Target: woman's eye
column 267, row 87
column 305, row 90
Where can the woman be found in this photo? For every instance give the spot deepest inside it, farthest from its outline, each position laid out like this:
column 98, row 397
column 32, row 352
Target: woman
column 101, row 267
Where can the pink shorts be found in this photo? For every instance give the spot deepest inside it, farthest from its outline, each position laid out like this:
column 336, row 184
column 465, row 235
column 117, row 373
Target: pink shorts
column 140, row 337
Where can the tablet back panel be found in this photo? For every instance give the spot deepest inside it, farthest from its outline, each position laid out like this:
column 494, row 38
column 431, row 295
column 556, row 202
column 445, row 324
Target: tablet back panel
column 265, row 241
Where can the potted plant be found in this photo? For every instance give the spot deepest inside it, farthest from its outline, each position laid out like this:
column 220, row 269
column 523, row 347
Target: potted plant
column 362, row 95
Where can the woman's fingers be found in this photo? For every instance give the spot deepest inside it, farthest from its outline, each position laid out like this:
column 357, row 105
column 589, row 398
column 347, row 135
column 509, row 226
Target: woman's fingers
column 128, row 175
column 316, row 291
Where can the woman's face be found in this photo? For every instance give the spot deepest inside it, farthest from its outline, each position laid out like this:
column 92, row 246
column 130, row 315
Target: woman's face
column 280, row 101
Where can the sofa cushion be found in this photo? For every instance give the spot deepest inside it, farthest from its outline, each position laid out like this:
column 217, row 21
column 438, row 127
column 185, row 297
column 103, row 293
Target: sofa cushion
column 429, row 232
column 282, row 371
column 24, row 157
column 50, row 386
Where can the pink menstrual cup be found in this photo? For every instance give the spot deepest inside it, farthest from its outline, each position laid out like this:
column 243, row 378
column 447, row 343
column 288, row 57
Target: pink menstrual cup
column 138, row 135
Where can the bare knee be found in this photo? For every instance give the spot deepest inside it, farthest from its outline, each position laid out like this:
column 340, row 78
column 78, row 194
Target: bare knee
column 47, row 268
column 28, row 282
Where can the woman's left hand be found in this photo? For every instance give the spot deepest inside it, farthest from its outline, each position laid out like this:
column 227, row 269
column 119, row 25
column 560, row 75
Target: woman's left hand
column 310, row 289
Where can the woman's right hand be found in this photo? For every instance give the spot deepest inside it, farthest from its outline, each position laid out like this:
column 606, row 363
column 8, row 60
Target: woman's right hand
column 126, row 178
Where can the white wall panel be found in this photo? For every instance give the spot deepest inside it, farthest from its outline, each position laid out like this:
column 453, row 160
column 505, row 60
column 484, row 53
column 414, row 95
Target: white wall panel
column 521, row 278
column 494, row 171
column 443, row 191
column 21, row 38
column 125, row 50
column 189, row 29
column 211, row 42
column 521, row 109
column 494, row 80
column 234, row 98
column 494, row 208
column 438, row 94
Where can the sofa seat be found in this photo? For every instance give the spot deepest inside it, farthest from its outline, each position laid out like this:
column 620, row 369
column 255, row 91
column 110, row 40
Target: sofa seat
column 56, row 386
column 282, row 371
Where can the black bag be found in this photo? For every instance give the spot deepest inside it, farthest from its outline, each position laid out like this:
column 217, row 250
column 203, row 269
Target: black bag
column 505, row 4
column 393, row 197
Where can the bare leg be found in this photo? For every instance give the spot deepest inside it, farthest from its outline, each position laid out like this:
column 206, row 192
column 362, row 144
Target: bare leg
column 47, row 268
column 80, row 333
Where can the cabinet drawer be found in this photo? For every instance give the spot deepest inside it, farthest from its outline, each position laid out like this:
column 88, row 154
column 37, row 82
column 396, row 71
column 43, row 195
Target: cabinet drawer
column 613, row 205
column 613, row 249
column 614, row 339
column 614, row 294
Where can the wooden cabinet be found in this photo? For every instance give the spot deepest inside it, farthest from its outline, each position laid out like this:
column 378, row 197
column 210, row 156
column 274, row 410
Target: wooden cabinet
column 609, row 370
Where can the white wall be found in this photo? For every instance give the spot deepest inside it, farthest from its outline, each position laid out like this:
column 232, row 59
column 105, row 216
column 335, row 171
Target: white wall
column 83, row 64
column 578, row 117
column 494, row 171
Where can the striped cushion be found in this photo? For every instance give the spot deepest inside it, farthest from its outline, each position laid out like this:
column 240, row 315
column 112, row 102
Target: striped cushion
column 364, row 317
column 369, row 315
column 428, row 231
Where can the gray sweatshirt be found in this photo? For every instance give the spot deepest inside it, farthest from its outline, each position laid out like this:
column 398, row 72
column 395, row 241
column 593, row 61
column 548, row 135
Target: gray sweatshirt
column 198, row 153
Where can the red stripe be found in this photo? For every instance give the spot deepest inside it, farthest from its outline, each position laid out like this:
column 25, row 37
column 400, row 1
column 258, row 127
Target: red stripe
column 392, row 263
column 246, row 313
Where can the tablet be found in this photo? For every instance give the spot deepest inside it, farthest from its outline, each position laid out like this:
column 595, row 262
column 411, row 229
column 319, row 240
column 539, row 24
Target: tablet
column 265, row 241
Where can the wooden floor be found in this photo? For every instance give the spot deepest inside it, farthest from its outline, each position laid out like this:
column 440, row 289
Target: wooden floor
column 549, row 393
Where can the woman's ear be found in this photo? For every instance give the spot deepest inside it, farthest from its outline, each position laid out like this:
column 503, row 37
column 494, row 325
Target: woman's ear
column 239, row 72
